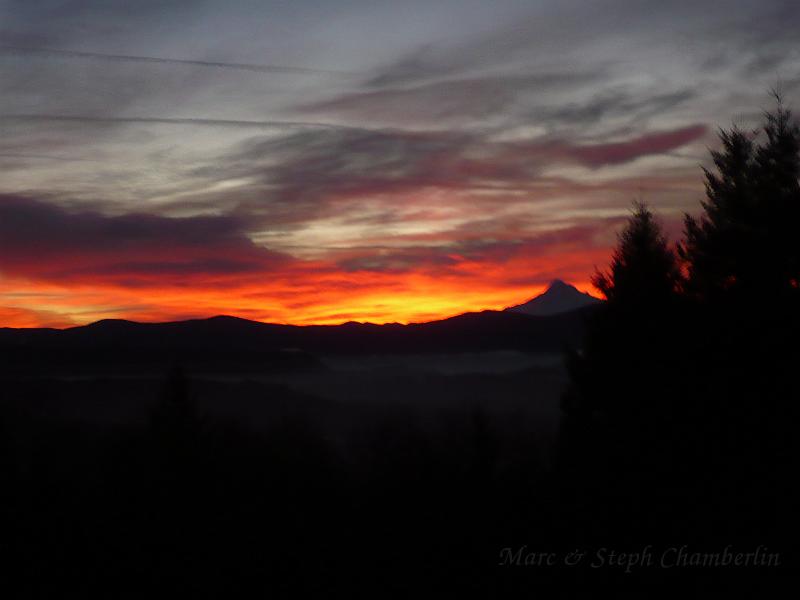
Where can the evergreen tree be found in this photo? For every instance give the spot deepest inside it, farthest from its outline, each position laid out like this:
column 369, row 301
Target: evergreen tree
column 634, row 331
column 745, row 242
column 686, row 388
column 743, row 259
column 644, row 270
column 622, row 407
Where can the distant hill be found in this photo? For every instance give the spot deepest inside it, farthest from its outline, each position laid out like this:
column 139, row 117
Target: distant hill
column 558, row 298
column 229, row 342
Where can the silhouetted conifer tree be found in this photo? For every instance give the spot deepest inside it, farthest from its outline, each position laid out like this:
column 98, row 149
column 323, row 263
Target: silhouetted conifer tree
column 631, row 328
column 644, row 270
column 743, row 259
column 620, row 409
column 746, row 239
column 682, row 402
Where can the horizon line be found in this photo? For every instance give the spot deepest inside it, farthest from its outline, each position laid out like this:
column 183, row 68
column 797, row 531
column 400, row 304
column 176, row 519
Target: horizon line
column 287, row 324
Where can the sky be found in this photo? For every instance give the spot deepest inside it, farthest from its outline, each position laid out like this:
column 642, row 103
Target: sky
column 321, row 162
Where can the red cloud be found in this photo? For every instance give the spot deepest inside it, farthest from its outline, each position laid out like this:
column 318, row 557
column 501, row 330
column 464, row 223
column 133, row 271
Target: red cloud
column 598, row 155
column 91, row 266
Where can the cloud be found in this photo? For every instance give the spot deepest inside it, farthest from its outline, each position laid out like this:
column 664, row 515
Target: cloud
column 153, row 268
column 24, row 156
column 41, row 241
column 312, row 175
column 474, row 243
column 14, row 316
column 454, row 99
column 29, row 50
column 613, row 102
column 52, row 22
column 462, row 166
column 307, row 174
column 103, row 120
column 660, row 142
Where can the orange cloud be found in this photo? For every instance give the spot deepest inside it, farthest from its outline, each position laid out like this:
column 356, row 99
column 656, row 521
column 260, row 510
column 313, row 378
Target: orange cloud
column 68, row 267
column 13, row 316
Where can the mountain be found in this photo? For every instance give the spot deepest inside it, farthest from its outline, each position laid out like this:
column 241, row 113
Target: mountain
column 558, row 298
column 226, row 343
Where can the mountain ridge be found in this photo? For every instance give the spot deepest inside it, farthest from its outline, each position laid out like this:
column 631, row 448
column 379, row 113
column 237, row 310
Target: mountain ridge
column 468, row 332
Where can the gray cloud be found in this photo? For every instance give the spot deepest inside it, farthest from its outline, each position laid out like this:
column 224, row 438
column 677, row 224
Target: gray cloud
column 453, row 248
column 464, row 100
column 483, row 109
column 51, row 22
column 612, row 103
column 41, row 241
column 104, row 120
column 30, row 50
column 13, row 155
column 309, row 173
column 352, row 162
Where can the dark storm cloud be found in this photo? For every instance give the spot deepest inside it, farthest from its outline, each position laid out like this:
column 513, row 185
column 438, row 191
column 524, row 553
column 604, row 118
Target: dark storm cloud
column 43, row 241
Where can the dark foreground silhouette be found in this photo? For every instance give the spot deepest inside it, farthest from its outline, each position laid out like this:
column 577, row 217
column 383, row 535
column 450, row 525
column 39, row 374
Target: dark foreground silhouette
column 230, row 344
column 675, row 462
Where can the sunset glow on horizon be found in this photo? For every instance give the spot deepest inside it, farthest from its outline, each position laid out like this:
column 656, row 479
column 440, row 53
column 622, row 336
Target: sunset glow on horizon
column 314, row 293
column 369, row 161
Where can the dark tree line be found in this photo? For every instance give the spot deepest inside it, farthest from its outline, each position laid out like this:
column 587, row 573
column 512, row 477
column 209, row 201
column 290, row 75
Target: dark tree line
column 681, row 413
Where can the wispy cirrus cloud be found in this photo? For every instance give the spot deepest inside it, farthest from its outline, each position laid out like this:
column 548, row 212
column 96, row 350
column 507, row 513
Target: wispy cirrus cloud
column 191, row 121
column 462, row 100
column 472, row 151
column 309, row 172
column 157, row 60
